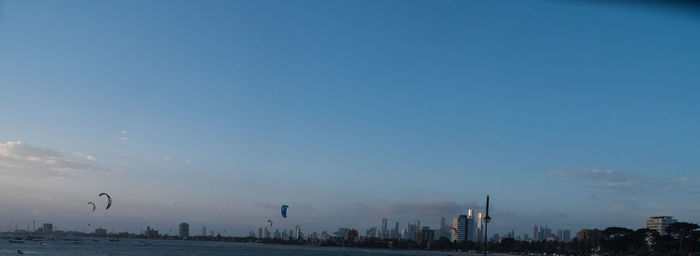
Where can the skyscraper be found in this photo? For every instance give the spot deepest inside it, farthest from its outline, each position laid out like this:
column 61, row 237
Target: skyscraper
column 470, row 227
column 184, row 229
column 260, row 233
column 660, row 223
column 460, row 223
column 384, row 228
column 479, row 228
column 395, row 232
column 297, row 234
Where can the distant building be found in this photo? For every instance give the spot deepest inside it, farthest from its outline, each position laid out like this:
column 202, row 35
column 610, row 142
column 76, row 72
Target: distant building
column 385, row 231
column 660, row 223
column 466, row 228
column 297, row 233
column 266, row 233
column 277, row 234
column 371, row 232
column 151, row 233
column 184, row 229
column 350, row 235
column 100, row 232
column 424, row 234
column 47, row 228
column 479, row 228
column 260, row 233
column 251, row 234
column 566, row 236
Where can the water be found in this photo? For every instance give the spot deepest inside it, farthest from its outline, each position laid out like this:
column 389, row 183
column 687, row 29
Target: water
column 189, row 248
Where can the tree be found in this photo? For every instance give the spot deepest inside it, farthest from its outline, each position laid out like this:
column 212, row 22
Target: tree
column 683, row 231
column 616, row 239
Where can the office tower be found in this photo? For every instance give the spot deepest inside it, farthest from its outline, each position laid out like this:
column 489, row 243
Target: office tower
column 260, row 233
column 47, row 228
column 297, row 234
column 395, row 234
column 184, row 229
column 266, row 233
column 566, row 236
column 470, row 227
column 460, row 223
column 660, row 223
column 479, row 228
column 385, row 231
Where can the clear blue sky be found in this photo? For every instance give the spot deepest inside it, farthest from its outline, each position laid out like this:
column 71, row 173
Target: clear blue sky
column 569, row 114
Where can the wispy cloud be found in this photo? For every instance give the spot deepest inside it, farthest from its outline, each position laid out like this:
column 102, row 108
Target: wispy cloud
column 121, row 138
column 628, row 183
column 424, row 208
column 85, row 156
column 20, row 159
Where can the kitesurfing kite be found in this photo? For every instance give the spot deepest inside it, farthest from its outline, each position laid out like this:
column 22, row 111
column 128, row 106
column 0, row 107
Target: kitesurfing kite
column 93, row 206
column 284, row 211
column 270, row 221
column 109, row 200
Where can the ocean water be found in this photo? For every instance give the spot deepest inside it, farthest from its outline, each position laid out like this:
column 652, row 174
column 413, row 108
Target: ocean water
column 189, row 248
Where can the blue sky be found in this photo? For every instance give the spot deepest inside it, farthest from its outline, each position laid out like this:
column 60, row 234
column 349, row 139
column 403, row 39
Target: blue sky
column 570, row 114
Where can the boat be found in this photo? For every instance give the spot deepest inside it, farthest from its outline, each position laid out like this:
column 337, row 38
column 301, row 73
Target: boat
column 114, row 239
column 17, row 240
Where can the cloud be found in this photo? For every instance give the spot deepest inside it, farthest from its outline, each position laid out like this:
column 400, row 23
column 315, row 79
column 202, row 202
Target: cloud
column 121, row 138
column 425, row 208
column 627, row 183
column 166, row 158
column 124, row 132
column 86, row 156
column 188, row 161
column 20, row 159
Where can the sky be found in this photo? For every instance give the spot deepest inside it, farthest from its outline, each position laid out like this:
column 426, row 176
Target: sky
column 570, row 114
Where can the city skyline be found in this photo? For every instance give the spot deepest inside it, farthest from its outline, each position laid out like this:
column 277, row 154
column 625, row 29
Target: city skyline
column 348, row 112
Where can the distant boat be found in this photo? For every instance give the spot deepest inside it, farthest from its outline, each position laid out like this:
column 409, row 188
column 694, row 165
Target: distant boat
column 17, row 240
column 114, row 239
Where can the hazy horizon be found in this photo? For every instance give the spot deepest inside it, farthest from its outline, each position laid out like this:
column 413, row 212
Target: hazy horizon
column 569, row 114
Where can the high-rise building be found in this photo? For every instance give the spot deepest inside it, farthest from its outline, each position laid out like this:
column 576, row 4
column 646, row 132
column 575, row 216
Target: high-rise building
column 566, row 236
column 479, row 227
column 471, row 227
column 297, row 234
column 424, row 234
column 384, row 228
column 460, row 223
column 266, row 233
column 660, row 223
column 184, row 230
column 204, row 230
column 395, row 232
column 47, row 228
column 260, row 233
column 277, row 234
column 371, row 232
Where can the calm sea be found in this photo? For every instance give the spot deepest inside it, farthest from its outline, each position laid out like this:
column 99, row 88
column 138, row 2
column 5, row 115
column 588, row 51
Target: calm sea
column 158, row 247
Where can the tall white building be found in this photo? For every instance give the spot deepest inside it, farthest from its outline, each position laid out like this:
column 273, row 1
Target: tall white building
column 479, row 228
column 297, row 233
column 660, row 223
